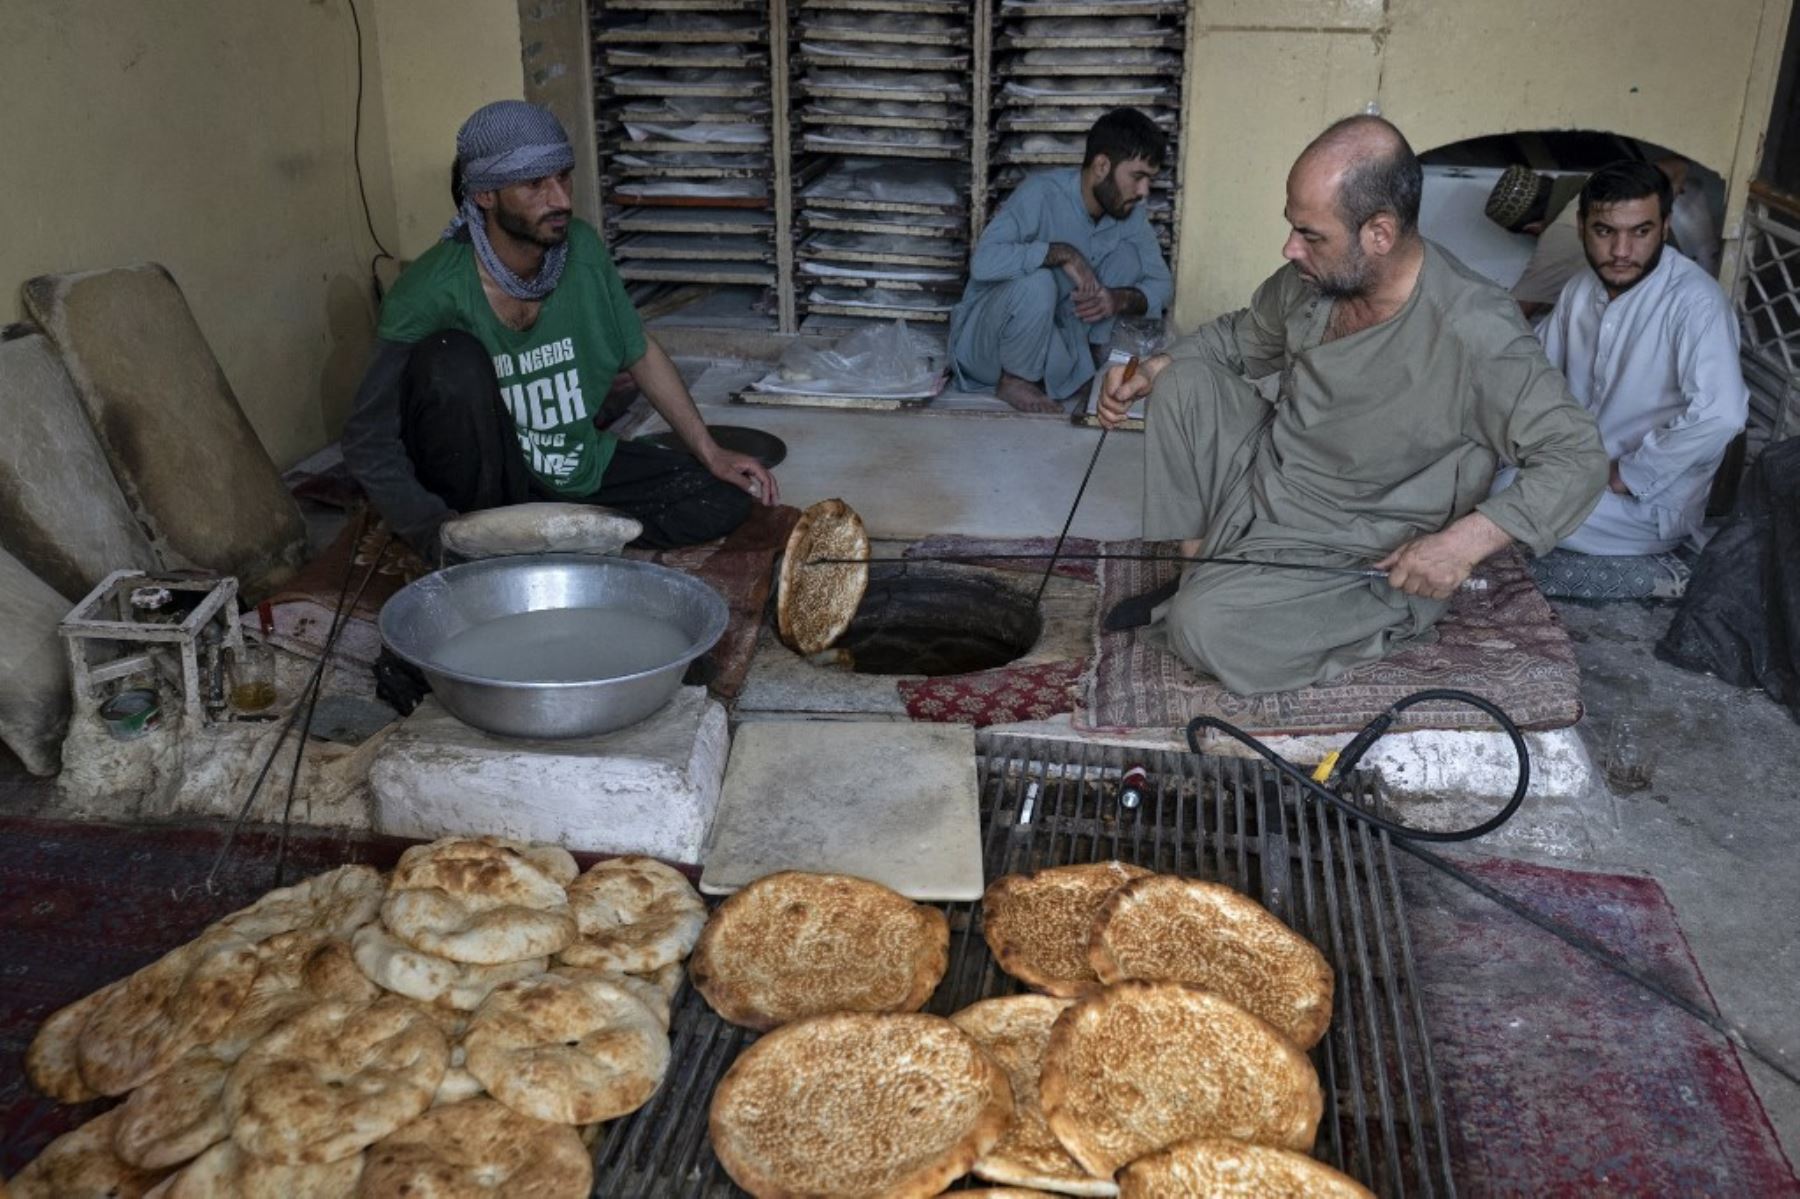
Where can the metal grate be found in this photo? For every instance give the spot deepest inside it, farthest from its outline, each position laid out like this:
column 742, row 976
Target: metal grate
column 1050, row 803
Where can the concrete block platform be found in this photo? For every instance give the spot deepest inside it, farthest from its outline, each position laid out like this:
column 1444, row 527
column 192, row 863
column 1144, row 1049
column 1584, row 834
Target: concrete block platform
column 650, row 788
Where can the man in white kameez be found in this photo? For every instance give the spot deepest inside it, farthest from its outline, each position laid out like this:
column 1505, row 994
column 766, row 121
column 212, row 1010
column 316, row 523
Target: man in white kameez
column 1649, row 345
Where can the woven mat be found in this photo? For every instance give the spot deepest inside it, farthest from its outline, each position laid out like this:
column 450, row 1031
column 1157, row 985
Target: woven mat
column 1505, row 644
column 1005, row 694
column 1563, row 1078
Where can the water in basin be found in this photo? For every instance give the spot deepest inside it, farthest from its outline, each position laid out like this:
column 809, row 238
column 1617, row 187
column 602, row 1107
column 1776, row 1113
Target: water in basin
column 562, row 645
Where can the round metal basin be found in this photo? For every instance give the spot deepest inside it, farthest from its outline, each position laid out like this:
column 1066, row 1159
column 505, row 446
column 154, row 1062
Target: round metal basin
column 427, row 613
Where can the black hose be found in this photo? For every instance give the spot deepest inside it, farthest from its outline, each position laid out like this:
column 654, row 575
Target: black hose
column 1372, row 732
column 1405, row 836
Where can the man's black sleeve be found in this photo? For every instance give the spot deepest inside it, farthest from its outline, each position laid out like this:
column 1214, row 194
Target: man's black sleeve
column 377, row 457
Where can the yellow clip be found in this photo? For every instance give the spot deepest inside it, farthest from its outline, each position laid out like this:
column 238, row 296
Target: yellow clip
column 1323, row 770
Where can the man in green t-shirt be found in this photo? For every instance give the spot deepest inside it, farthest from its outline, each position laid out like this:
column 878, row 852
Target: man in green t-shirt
column 495, row 350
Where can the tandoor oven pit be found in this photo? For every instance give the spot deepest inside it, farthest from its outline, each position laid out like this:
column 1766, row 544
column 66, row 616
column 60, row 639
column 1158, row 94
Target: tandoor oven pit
column 932, row 618
column 1048, row 803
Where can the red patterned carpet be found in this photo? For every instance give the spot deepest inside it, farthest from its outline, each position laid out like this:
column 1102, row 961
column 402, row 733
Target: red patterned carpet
column 1560, row 1079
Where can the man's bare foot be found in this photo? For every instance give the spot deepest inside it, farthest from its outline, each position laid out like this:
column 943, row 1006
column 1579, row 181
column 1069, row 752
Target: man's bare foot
column 1025, row 395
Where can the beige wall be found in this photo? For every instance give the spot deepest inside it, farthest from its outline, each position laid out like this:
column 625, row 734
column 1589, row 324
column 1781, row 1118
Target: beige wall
column 1267, row 75
column 213, row 136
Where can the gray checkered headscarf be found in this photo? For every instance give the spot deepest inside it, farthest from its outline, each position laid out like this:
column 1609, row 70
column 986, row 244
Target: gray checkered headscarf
column 506, row 142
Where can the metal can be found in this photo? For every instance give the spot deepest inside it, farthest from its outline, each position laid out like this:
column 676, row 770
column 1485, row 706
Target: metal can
column 1133, row 786
column 130, row 714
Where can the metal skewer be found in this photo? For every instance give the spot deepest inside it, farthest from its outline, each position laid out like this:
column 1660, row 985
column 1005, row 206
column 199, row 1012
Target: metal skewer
column 1361, row 572
column 1130, row 370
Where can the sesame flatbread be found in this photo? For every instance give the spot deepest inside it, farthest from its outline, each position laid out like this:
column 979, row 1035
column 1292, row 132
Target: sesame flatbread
column 792, row 945
column 1015, row 1030
column 1037, row 925
column 1222, row 1167
column 1169, row 929
column 1138, row 1067
column 814, row 604
column 858, row 1106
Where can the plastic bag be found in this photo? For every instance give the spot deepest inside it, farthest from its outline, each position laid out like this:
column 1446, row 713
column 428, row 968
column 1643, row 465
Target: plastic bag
column 1740, row 619
column 889, row 360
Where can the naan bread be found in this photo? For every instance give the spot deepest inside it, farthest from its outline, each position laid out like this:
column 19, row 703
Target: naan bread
column 645, row 990
column 1037, row 925
column 814, row 604
column 183, row 999
column 335, row 1080
column 1224, row 1167
column 792, row 945
column 1141, row 1066
column 635, row 914
column 82, row 1163
column 335, row 903
column 472, row 901
column 854, row 1106
column 567, row 1050
column 52, row 1061
column 400, row 968
column 175, row 1116
column 227, row 1172
column 478, row 1147
column 1015, row 1030
column 1168, row 929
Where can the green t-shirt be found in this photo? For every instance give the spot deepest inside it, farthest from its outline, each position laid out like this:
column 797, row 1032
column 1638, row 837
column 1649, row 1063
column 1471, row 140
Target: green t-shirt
column 554, row 375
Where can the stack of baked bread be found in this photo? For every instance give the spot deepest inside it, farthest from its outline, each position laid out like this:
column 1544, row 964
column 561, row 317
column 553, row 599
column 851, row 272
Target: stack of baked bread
column 462, row 1026
column 1163, row 1053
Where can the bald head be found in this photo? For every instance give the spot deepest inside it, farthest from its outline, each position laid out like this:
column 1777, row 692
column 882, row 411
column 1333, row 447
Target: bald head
column 1369, row 167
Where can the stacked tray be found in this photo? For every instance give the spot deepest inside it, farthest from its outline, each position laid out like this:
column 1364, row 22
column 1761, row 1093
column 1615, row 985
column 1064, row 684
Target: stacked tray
column 882, row 97
column 685, row 124
column 1060, row 64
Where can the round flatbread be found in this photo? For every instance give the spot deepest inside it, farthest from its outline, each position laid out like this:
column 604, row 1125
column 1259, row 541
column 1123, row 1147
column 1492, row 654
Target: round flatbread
column 52, row 1062
column 567, row 1050
column 1037, row 925
column 815, row 604
column 1223, row 1167
column 400, row 968
column 227, row 1172
column 183, row 999
column 1140, row 1066
column 792, row 945
column 478, row 1147
column 855, row 1105
column 1169, row 929
column 335, row 1080
column 1015, row 1030
column 636, row 915
column 175, row 1116
column 335, row 903
column 640, row 987
column 82, row 1163
column 479, row 902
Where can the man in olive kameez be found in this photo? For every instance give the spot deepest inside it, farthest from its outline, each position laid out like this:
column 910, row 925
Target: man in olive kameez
column 1399, row 380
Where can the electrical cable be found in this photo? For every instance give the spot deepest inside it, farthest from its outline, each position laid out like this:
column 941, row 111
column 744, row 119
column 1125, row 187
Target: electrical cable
column 362, row 190
column 1407, row 838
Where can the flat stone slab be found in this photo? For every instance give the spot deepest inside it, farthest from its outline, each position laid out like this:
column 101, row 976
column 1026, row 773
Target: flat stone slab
column 891, row 802
column 650, row 789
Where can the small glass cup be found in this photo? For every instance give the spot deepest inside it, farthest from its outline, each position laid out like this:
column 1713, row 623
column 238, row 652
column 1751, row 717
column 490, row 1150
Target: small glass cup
column 1630, row 755
column 253, row 678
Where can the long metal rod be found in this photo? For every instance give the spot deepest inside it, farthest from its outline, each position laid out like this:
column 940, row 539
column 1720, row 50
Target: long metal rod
column 1360, row 572
column 1062, row 536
